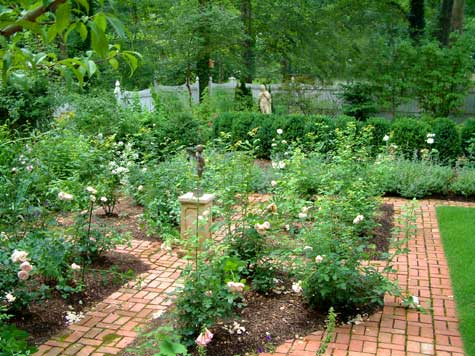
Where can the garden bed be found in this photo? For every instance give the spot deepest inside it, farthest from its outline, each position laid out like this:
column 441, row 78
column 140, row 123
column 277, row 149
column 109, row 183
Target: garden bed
column 106, row 275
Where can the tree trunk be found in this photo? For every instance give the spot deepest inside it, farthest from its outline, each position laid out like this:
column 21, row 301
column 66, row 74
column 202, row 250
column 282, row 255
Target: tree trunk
column 445, row 17
column 202, row 65
column 416, row 19
column 458, row 10
column 249, row 42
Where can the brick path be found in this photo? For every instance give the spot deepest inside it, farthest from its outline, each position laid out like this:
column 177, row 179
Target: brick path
column 112, row 325
column 396, row 331
column 392, row 332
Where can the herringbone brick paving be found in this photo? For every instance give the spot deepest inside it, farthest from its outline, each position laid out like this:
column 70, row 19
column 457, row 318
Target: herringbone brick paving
column 394, row 331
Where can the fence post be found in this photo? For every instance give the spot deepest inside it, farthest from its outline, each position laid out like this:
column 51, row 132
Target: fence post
column 117, row 92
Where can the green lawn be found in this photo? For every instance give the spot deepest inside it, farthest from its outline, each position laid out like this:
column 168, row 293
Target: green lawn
column 457, row 228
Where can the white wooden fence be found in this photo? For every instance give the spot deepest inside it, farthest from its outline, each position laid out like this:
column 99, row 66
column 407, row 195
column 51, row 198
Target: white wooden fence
column 328, row 96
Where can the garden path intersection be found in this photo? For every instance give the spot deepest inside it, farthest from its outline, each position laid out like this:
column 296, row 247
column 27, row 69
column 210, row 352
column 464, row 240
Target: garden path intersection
column 112, row 325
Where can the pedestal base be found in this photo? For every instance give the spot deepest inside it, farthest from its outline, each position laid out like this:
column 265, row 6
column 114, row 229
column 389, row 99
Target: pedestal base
column 196, row 215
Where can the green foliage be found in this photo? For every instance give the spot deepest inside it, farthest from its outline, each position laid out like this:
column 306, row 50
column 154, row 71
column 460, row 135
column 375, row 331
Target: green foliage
column 26, row 106
column 381, row 128
column 47, row 32
column 446, row 140
column 313, row 132
column 413, row 179
column 467, row 134
column 464, row 182
column 13, row 341
column 205, row 297
column 358, row 100
column 441, row 76
column 410, row 136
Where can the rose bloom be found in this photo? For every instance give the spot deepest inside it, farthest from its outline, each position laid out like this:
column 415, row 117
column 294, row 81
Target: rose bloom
column 23, row 275
column 318, row 259
column 65, row 196
column 104, row 199
column 280, row 131
column 75, row 267
column 25, row 266
column 204, row 338
column 10, row 298
column 358, row 219
column 273, row 183
column 297, row 287
column 235, row 287
column 91, row 190
column 19, row 256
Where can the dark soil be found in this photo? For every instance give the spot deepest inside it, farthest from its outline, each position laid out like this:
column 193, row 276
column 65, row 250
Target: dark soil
column 127, row 219
column 268, row 320
column 381, row 235
column 107, row 274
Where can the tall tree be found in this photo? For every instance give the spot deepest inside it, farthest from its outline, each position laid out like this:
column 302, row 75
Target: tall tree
column 416, row 19
column 444, row 21
column 248, row 51
column 458, row 11
column 204, row 60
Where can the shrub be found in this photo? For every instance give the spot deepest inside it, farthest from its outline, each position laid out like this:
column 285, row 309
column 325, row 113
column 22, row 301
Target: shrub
column 410, row 136
column 312, row 132
column 467, row 134
column 464, row 182
column 446, row 140
column 30, row 105
column 413, row 179
column 381, row 128
column 358, row 101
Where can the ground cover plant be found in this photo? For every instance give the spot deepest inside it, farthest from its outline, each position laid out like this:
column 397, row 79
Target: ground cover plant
column 457, row 230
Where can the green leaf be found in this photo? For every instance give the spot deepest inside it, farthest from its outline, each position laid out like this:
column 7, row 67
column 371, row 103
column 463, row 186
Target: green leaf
column 98, row 40
column 117, row 25
column 168, row 348
column 101, row 21
column 114, row 63
column 51, row 35
column 91, row 67
column 83, row 3
column 131, row 60
column 62, row 17
column 82, row 29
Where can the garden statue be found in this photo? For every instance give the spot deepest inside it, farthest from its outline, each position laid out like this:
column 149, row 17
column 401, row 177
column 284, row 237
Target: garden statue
column 200, row 162
column 265, row 101
column 195, row 205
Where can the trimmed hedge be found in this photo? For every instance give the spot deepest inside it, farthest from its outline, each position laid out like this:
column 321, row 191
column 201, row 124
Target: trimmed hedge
column 318, row 131
column 308, row 130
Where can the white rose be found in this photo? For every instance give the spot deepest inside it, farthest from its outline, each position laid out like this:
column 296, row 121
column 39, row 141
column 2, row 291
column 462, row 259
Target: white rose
column 297, row 287
column 273, row 183
column 65, row 196
column 386, row 138
column 9, row 297
column 358, row 219
column 318, row 259
column 104, row 199
column 280, row 131
column 91, row 190
column 75, row 267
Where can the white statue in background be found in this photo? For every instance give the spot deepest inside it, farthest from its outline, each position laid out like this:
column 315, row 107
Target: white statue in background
column 265, row 101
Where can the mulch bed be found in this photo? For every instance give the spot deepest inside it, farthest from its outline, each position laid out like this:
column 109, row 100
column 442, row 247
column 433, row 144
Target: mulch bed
column 108, row 274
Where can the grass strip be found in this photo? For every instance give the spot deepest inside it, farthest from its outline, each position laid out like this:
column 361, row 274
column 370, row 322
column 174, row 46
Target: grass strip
column 457, row 229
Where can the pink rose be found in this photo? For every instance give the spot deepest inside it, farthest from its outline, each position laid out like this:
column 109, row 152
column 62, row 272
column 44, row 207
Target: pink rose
column 25, row 266
column 235, row 287
column 204, row 338
column 23, row 275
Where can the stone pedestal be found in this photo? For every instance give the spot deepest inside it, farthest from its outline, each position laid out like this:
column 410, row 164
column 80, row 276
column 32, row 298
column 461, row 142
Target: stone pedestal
column 196, row 212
